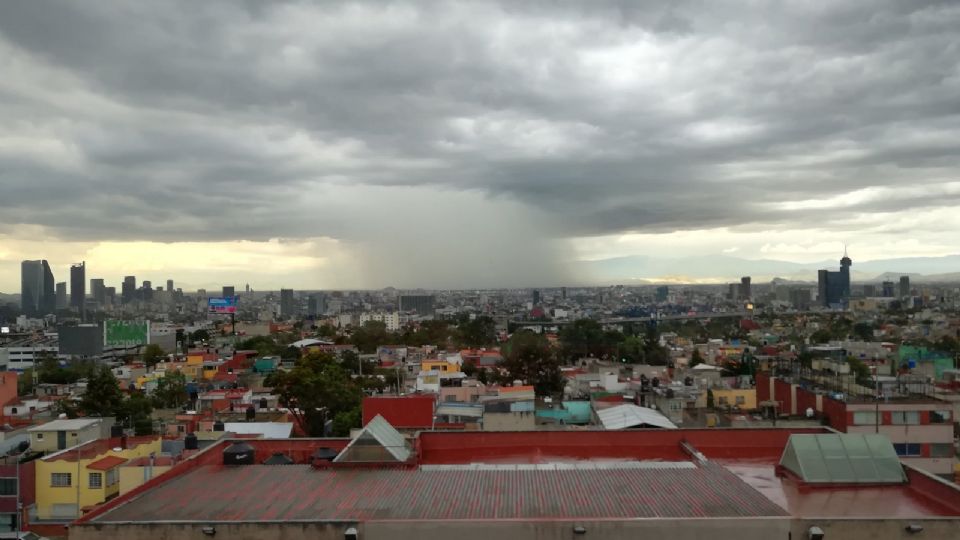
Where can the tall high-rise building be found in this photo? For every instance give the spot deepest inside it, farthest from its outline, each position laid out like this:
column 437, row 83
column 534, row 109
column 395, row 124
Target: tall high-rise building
column 110, row 296
column 732, row 291
column 888, row 290
column 63, row 302
column 169, row 285
column 563, row 293
column 904, row 286
column 78, row 286
column 869, row 290
column 37, row 290
column 128, row 290
column 833, row 288
column 229, row 291
column 662, row 293
column 746, row 291
column 146, row 291
column 99, row 291
column 422, row 304
column 536, row 297
column 287, row 304
column 316, row 305
column 247, row 288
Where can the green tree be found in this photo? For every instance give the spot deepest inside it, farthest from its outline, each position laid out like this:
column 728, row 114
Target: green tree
column 860, row 370
column 654, row 353
column 821, row 336
column 315, row 390
column 696, row 358
column 103, row 396
column 199, row 335
column 864, row 331
column 344, row 421
column 135, row 411
column 469, row 369
column 25, row 382
column 583, row 338
column 632, row 350
column 171, row 391
column 370, row 336
column 529, row 357
column 480, row 332
column 153, row 355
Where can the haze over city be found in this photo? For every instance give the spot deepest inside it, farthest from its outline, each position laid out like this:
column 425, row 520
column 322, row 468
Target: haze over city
column 477, row 144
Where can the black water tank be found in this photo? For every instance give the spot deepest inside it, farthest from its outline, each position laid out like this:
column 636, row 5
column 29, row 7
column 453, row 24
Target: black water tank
column 218, row 425
column 278, row 458
column 263, row 403
column 239, row 453
column 190, row 442
column 116, row 430
column 251, row 413
column 324, row 454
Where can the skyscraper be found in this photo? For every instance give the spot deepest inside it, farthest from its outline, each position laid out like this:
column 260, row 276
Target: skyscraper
column 904, row 286
column 316, row 305
column 229, row 291
column 128, row 290
column 888, row 290
column 833, row 288
column 287, row 305
column 422, row 304
column 746, row 291
column 146, row 291
column 99, row 291
column 169, row 285
column 62, row 300
column 563, row 293
column 37, row 293
column 662, row 293
column 78, row 286
column 536, row 297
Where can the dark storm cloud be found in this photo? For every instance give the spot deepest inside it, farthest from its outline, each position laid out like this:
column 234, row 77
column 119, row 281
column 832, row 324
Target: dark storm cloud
column 139, row 120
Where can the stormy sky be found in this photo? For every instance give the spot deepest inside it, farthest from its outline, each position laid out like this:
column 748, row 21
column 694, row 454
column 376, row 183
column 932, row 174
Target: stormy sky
column 471, row 144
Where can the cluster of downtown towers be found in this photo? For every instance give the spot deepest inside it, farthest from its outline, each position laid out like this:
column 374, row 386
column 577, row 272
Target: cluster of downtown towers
column 41, row 295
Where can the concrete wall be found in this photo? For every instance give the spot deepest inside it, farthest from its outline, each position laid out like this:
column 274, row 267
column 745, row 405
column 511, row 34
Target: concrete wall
column 511, row 421
column 674, row 529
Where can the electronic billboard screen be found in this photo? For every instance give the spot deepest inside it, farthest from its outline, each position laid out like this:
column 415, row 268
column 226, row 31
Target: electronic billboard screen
column 222, row 305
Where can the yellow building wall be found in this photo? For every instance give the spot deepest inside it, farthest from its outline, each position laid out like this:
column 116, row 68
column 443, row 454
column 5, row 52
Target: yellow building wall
column 439, row 365
column 48, row 495
column 133, row 477
column 46, row 441
column 749, row 396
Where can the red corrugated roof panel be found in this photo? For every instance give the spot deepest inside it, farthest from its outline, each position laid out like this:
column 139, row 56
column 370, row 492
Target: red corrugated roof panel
column 400, row 411
column 107, row 463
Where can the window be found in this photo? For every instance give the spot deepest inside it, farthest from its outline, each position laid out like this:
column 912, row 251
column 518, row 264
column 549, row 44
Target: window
column 112, row 477
column 864, row 418
column 722, row 400
column 741, row 400
column 901, row 418
column 942, row 450
column 939, row 417
column 39, row 436
column 8, row 486
column 96, row 480
column 907, row 449
column 13, row 410
column 60, row 479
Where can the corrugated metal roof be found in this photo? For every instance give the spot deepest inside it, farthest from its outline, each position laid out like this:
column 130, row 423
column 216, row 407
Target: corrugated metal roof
column 383, row 433
column 629, row 415
column 66, row 425
column 300, row 492
column 107, row 463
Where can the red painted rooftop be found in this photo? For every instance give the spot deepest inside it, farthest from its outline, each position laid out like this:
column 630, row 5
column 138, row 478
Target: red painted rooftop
column 93, row 449
column 524, row 475
column 107, row 463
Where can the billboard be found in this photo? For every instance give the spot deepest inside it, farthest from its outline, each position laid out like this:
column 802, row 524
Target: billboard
column 124, row 334
column 222, row 305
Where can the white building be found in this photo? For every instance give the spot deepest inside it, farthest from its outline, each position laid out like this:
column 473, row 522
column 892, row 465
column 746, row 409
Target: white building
column 391, row 320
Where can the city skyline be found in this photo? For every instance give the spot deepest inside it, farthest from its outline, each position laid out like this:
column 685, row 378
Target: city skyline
column 351, row 145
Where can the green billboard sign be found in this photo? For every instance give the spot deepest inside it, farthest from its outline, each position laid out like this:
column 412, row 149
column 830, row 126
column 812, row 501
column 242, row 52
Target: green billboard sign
column 123, row 334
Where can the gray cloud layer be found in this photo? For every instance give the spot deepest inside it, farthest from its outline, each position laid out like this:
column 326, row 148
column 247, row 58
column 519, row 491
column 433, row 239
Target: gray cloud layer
column 139, row 120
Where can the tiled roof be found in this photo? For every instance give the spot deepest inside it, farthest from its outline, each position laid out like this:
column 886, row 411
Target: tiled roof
column 300, row 492
column 107, row 463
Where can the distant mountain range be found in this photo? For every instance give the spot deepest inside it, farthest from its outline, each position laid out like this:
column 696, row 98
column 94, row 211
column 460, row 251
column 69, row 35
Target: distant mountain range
column 723, row 269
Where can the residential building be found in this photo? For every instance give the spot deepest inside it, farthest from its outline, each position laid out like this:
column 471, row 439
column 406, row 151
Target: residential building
column 60, row 434
column 37, row 293
column 83, row 476
column 390, row 319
